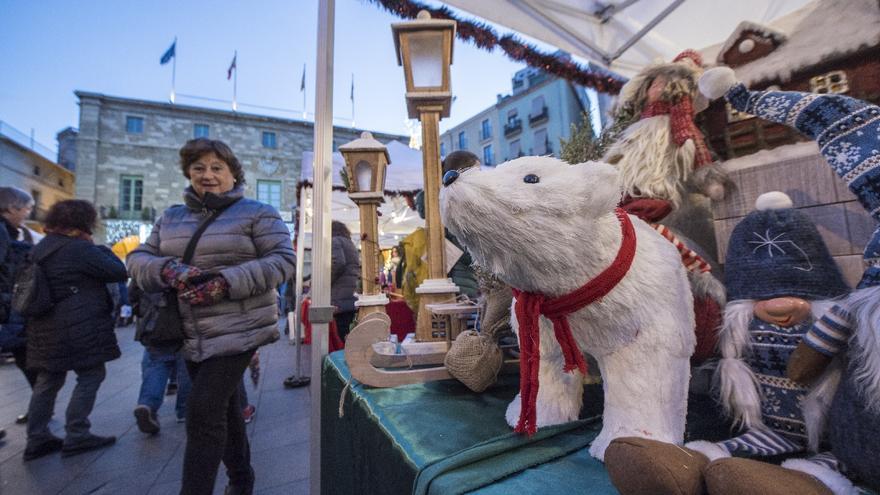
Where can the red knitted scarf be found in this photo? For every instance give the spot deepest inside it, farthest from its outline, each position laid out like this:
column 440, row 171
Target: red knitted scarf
column 530, row 306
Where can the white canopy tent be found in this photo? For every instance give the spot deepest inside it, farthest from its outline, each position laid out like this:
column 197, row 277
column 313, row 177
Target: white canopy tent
column 626, row 35
column 396, row 220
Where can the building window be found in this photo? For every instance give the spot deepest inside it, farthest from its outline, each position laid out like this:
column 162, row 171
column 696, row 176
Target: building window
column 201, row 130
column 269, row 140
column 832, row 82
column 485, row 130
column 540, row 147
column 734, row 115
column 36, row 170
column 539, row 110
column 269, row 192
column 512, row 119
column 462, row 141
column 488, row 156
column 515, row 150
column 442, row 150
column 131, row 192
column 134, row 125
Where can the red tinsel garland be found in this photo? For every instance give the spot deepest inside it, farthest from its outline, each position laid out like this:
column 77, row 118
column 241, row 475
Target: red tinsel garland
column 484, row 37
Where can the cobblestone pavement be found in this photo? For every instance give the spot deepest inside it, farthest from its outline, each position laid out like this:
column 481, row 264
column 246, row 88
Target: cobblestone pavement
column 140, row 464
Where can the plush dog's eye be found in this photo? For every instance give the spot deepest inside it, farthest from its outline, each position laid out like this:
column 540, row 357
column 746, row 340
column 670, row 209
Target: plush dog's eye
column 531, row 179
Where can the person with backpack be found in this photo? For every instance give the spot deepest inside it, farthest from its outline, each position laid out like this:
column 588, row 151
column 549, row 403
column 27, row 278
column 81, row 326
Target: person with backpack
column 222, row 255
column 16, row 243
column 70, row 326
column 160, row 359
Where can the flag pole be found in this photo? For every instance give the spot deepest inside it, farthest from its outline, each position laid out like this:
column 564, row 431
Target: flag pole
column 352, row 100
column 235, row 81
column 305, row 112
column 173, row 69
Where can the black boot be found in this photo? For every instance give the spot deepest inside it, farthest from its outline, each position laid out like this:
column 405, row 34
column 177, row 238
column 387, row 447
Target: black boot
column 35, row 451
column 92, row 442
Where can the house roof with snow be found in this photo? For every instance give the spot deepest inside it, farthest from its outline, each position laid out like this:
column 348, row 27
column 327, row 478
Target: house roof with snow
column 743, row 29
column 828, row 30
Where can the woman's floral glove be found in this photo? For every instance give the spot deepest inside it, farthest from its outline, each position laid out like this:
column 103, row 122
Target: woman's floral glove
column 178, row 275
column 206, row 293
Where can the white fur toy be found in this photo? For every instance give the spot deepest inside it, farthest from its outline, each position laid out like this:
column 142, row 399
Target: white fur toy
column 550, row 230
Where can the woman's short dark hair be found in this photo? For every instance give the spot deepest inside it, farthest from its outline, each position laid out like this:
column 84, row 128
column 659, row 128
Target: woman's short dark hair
column 72, row 214
column 338, row 228
column 196, row 148
column 459, row 160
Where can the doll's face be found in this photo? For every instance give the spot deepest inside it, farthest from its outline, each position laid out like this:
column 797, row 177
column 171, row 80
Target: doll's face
column 783, row 311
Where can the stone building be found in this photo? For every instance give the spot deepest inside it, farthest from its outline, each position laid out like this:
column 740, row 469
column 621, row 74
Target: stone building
column 127, row 153
column 25, row 165
column 67, row 148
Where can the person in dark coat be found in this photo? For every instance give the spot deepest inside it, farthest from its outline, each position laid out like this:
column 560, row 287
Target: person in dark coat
column 345, row 271
column 227, row 302
column 15, row 243
column 76, row 334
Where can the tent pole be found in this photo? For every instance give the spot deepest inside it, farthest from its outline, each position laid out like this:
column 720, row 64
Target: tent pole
column 649, row 26
column 300, row 263
column 318, row 313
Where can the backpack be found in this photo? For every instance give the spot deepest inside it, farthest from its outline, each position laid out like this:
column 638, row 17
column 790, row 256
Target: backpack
column 16, row 258
column 32, row 294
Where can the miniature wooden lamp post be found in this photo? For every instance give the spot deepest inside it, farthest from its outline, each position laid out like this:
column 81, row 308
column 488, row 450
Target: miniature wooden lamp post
column 424, row 48
column 365, row 162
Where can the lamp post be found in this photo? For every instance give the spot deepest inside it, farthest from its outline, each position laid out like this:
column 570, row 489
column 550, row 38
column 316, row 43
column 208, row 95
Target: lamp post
column 424, row 49
column 365, row 162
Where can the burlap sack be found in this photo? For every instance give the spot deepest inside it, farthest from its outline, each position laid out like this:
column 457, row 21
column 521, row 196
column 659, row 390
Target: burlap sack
column 474, row 359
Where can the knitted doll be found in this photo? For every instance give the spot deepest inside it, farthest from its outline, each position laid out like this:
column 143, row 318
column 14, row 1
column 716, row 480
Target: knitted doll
column 658, row 153
column 779, row 277
column 660, row 156
column 848, row 134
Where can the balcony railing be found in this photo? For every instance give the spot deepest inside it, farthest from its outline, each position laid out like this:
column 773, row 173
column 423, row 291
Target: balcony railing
column 512, row 127
column 540, row 117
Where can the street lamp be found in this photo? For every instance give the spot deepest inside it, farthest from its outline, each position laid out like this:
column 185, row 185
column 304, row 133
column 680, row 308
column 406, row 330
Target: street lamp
column 365, row 162
column 424, row 48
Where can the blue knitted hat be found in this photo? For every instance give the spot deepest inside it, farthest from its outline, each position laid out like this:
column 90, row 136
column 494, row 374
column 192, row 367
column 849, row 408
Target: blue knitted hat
column 846, row 129
column 777, row 251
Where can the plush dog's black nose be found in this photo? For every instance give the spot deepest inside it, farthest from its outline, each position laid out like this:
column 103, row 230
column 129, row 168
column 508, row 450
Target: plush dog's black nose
column 449, row 177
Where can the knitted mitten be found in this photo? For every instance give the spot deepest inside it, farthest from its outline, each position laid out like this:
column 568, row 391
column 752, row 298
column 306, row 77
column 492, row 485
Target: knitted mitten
column 178, row 275
column 206, row 293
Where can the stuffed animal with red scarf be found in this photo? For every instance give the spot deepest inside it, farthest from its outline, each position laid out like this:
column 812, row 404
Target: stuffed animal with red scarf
column 588, row 278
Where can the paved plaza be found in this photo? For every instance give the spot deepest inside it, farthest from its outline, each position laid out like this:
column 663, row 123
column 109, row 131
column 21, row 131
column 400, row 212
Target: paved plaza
column 140, row 464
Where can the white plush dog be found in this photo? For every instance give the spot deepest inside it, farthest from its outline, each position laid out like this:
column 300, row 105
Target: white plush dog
column 546, row 227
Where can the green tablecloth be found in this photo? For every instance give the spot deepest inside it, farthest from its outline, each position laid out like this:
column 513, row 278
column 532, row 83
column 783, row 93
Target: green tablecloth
column 453, row 440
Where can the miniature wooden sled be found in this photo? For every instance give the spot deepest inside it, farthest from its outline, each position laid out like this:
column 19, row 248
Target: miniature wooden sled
column 361, row 355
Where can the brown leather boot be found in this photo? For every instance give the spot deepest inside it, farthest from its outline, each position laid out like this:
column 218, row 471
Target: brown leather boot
column 638, row 466
column 735, row 476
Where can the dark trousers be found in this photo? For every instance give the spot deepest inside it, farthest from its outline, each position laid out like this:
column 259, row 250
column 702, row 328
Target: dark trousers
column 82, row 401
column 215, row 429
column 343, row 321
column 20, row 355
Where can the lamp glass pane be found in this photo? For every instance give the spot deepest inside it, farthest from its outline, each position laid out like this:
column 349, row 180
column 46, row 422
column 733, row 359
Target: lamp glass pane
column 426, row 58
column 364, row 173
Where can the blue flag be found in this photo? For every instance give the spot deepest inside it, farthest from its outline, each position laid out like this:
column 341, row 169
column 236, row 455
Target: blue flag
column 169, row 54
